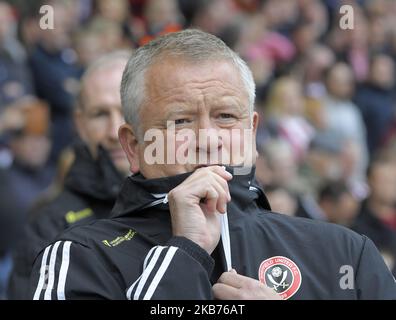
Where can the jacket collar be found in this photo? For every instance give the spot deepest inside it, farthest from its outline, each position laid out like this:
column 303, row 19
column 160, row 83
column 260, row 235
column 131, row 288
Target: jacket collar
column 94, row 178
column 138, row 193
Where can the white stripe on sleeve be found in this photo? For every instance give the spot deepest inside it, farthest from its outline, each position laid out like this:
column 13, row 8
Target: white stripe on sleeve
column 129, row 292
column 160, row 273
column 43, row 270
column 63, row 270
column 147, row 271
column 51, row 272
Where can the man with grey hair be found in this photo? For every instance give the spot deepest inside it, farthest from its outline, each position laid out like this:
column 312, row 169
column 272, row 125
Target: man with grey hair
column 191, row 223
column 92, row 183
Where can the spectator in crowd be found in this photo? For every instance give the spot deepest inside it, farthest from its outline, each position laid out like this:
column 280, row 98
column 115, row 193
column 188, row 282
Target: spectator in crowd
column 317, row 60
column 286, row 113
column 88, row 44
column 338, row 203
column 377, row 218
column 111, row 34
column 30, row 173
column 279, row 159
column 343, row 116
column 117, row 11
column 15, row 77
column 376, row 100
column 10, row 223
column 56, row 73
column 322, row 163
column 281, row 200
column 92, row 183
column 161, row 17
column 280, row 15
column 213, row 15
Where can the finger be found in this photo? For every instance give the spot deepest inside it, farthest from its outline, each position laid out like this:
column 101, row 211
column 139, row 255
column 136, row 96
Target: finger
column 211, row 198
column 224, row 184
column 222, row 291
column 226, row 292
column 216, row 200
column 233, row 279
column 223, row 195
column 221, row 171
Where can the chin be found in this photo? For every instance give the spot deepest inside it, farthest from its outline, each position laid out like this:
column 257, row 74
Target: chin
column 122, row 167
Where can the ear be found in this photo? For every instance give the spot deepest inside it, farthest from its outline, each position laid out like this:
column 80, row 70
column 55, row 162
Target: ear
column 254, row 127
column 130, row 144
column 255, row 122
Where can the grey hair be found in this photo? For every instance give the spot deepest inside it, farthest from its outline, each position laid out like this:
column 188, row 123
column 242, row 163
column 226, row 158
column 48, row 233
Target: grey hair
column 191, row 44
column 104, row 61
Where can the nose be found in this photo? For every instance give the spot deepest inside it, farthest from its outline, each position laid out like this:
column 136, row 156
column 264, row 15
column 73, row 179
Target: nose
column 116, row 121
column 209, row 140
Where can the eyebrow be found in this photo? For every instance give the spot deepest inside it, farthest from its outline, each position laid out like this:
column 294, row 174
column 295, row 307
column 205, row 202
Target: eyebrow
column 180, row 110
column 101, row 107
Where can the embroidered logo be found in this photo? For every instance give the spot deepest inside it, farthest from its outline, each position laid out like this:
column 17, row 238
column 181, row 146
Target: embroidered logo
column 115, row 242
column 282, row 275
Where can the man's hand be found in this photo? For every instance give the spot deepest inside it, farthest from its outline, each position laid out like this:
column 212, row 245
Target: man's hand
column 196, row 203
column 232, row 286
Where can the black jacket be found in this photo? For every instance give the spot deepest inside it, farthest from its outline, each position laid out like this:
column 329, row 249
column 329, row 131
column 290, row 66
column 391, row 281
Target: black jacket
column 382, row 235
column 90, row 191
column 134, row 255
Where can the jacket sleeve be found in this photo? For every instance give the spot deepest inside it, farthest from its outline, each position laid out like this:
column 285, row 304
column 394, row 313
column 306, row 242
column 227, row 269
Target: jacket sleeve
column 68, row 270
column 374, row 281
column 23, row 257
column 179, row 270
column 36, row 236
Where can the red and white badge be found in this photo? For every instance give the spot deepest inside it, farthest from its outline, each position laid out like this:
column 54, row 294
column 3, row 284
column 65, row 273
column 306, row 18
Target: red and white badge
column 282, row 275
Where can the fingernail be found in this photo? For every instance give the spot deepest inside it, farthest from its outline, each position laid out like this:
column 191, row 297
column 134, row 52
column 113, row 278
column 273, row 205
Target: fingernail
column 228, row 174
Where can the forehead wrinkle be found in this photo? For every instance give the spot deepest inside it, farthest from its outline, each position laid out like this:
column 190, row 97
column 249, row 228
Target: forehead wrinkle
column 197, row 90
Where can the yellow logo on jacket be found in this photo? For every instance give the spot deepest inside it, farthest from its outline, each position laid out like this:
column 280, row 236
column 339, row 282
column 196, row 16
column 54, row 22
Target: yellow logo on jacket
column 115, row 242
column 73, row 217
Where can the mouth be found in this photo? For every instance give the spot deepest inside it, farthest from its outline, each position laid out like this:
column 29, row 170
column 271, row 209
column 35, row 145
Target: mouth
column 207, row 165
column 117, row 153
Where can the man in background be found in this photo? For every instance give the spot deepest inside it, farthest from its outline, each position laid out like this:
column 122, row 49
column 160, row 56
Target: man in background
column 91, row 186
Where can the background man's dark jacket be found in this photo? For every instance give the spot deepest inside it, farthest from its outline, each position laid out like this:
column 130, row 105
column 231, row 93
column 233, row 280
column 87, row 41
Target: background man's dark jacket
column 89, row 193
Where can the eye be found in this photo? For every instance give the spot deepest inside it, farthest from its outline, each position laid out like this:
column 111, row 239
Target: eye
column 227, row 116
column 100, row 114
column 182, row 121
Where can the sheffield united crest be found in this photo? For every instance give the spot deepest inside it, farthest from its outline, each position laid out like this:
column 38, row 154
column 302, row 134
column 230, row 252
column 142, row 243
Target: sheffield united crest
column 282, row 275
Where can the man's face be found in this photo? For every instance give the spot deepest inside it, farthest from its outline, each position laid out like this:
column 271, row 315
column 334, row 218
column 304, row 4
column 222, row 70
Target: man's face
column 342, row 211
column 340, row 82
column 31, row 150
column 100, row 115
column 207, row 99
column 382, row 182
column 382, row 72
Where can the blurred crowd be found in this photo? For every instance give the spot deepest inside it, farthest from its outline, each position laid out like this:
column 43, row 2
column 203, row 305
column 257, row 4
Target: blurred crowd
column 326, row 98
